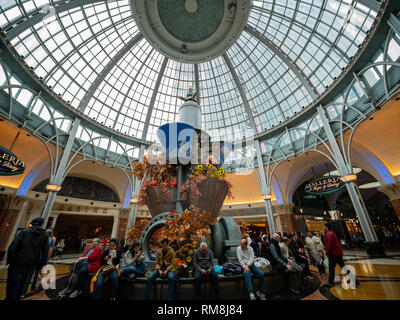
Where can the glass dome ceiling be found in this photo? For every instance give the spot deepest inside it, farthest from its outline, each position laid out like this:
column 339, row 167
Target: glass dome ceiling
column 93, row 54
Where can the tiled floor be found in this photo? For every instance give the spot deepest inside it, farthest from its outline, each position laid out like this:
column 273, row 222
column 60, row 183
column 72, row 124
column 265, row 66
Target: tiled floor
column 380, row 278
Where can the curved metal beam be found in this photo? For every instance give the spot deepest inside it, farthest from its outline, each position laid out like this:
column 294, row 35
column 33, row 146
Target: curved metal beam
column 107, row 69
column 241, row 91
column 36, row 16
column 286, row 59
column 265, row 82
column 371, row 4
column 197, row 81
column 153, row 98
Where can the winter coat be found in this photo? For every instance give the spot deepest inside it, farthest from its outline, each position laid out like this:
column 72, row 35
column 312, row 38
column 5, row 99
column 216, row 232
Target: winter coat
column 30, row 247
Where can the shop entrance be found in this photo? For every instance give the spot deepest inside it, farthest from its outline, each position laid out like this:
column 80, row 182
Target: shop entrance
column 73, row 228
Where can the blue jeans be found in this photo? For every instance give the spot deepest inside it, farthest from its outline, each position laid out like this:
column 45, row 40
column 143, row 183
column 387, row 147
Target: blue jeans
column 139, row 270
column 258, row 274
column 83, row 271
column 28, row 281
column 16, row 279
column 153, row 276
column 113, row 276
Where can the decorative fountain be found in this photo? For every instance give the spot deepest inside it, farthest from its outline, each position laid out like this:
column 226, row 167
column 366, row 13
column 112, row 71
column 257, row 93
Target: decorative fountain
column 183, row 177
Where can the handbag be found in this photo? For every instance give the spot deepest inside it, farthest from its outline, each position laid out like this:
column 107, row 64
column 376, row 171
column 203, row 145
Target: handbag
column 107, row 270
column 263, row 264
column 325, row 262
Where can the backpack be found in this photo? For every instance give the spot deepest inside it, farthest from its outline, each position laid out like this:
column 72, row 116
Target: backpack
column 263, row 264
column 232, row 268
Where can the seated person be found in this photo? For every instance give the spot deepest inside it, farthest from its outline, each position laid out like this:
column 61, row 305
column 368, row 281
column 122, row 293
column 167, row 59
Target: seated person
column 298, row 255
column 109, row 261
column 264, row 245
column 88, row 263
column 245, row 256
column 203, row 263
column 284, row 245
column 286, row 264
column 132, row 262
column 164, row 268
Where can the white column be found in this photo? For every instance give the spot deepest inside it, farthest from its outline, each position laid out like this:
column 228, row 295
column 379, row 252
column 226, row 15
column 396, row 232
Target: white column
column 53, row 223
column 60, row 171
column 115, row 227
column 266, row 190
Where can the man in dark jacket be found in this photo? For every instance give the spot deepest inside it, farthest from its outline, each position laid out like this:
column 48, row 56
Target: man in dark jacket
column 334, row 253
column 203, row 263
column 27, row 251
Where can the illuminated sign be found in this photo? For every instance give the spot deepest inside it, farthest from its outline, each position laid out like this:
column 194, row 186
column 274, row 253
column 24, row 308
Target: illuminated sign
column 325, row 185
column 10, row 164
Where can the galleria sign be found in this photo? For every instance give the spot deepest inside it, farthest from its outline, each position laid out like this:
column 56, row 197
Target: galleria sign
column 325, row 185
column 10, row 164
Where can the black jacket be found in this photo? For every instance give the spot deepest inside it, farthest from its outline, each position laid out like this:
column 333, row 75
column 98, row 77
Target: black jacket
column 115, row 261
column 30, row 247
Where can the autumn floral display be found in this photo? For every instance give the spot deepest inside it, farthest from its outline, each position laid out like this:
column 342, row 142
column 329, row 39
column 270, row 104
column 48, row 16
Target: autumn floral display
column 199, row 174
column 184, row 256
column 186, row 230
column 135, row 231
column 158, row 174
column 188, row 227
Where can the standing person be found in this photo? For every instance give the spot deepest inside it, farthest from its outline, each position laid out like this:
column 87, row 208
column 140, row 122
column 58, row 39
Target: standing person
column 245, row 256
column 83, row 245
column 132, row 262
column 164, row 268
column 334, row 252
column 36, row 274
column 312, row 243
column 52, row 245
column 27, row 251
column 60, row 248
column 88, row 263
column 109, row 261
column 203, row 263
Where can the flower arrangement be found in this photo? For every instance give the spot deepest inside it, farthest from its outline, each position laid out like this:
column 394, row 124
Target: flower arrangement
column 184, row 256
column 198, row 175
column 158, row 174
column 209, row 171
column 188, row 227
column 135, row 231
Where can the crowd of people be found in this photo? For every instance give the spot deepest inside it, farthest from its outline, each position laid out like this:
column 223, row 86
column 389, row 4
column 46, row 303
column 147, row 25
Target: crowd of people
column 292, row 253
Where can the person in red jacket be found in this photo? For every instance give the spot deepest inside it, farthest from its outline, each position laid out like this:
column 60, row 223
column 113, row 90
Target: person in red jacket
column 334, row 253
column 89, row 263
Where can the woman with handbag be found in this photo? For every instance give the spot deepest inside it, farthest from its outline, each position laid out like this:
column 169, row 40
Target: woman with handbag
column 109, row 261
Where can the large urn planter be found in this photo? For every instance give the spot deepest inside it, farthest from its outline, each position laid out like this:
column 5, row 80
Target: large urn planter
column 213, row 193
column 156, row 200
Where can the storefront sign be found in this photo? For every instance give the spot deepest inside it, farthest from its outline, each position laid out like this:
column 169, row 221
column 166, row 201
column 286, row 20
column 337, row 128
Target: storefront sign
column 10, row 164
column 325, row 185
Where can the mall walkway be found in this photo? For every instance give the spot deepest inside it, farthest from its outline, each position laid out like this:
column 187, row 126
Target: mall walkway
column 379, row 278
